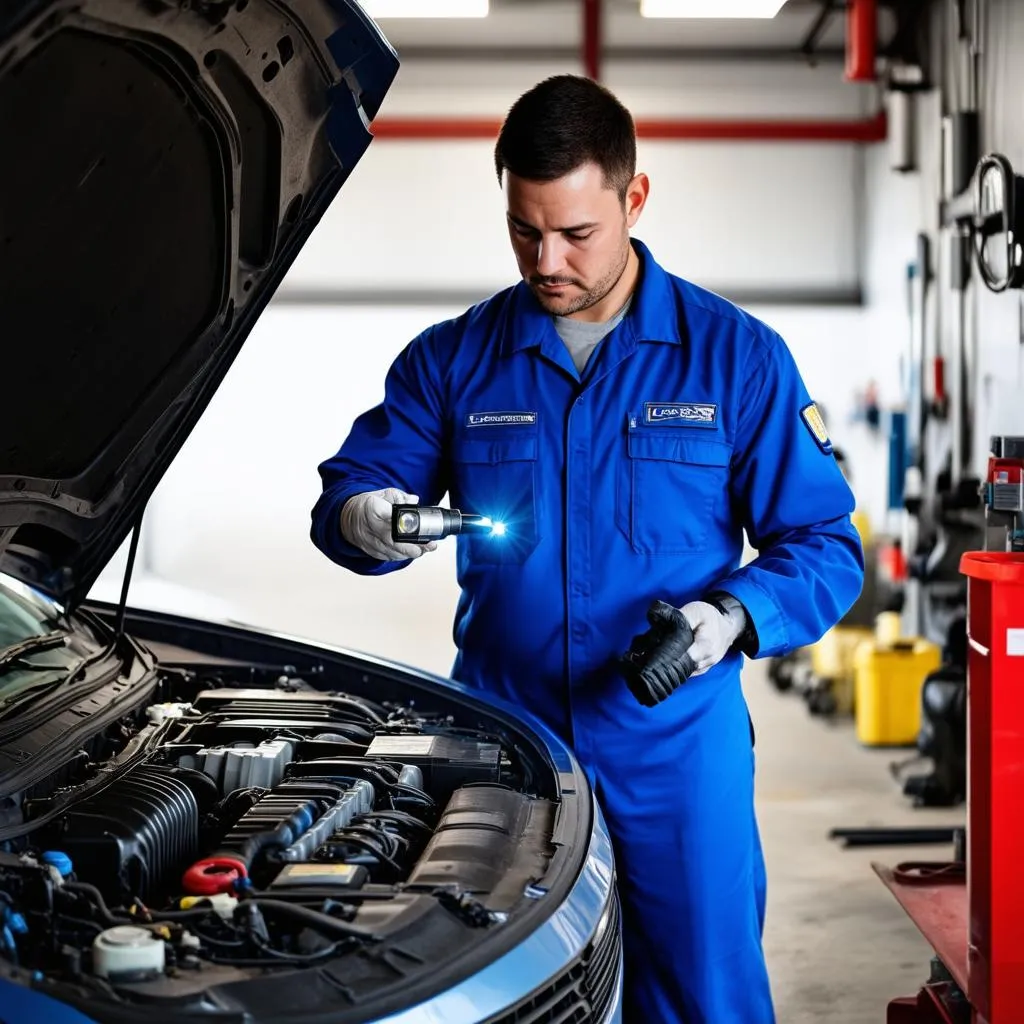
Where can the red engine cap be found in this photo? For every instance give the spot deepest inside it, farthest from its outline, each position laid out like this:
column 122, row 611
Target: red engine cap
column 213, row 875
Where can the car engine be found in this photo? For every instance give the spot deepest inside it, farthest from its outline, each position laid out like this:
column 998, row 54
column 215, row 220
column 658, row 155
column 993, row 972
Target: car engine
column 226, row 831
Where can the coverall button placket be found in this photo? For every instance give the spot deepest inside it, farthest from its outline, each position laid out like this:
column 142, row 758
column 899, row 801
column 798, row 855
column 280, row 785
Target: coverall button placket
column 578, row 529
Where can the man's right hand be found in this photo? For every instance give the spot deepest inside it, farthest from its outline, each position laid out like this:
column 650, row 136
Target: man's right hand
column 366, row 524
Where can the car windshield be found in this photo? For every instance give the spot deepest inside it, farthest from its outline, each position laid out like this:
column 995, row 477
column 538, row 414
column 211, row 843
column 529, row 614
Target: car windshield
column 37, row 642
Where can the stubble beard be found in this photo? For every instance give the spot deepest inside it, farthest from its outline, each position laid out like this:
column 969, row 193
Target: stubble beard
column 591, row 296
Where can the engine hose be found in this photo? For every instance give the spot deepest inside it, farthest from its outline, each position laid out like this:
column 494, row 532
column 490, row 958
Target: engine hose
column 284, row 835
column 100, row 904
column 110, row 919
column 368, row 844
column 413, row 793
column 312, row 918
column 221, row 872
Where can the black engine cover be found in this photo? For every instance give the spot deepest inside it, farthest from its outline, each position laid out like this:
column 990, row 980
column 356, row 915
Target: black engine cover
column 129, row 838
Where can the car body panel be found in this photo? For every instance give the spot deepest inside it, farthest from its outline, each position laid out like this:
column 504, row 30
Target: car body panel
column 528, row 967
column 171, row 160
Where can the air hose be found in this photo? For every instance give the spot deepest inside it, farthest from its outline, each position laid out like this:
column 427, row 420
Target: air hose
column 222, row 871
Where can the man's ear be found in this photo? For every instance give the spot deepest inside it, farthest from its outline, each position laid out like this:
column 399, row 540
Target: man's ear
column 636, row 197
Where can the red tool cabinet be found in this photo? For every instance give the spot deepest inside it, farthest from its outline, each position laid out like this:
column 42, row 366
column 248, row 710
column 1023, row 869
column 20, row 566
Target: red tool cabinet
column 974, row 917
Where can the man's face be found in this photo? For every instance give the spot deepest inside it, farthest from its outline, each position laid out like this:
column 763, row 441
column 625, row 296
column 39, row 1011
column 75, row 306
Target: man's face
column 571, row 236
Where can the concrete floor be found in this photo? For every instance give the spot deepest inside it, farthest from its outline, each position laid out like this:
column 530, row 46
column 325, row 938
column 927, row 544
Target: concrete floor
column 838, row 945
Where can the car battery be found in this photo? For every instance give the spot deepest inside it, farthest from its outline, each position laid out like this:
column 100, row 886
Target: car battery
column 888, row 679
column 446, row 762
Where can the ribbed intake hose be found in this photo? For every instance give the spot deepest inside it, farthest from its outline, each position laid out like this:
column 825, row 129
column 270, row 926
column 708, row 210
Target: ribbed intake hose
column 222, row 870
column 358, row 800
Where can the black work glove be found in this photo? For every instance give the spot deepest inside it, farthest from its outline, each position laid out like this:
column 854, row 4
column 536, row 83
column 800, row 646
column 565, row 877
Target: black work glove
column 657, row 664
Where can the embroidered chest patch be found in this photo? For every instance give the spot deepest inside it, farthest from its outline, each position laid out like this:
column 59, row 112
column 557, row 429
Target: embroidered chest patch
column 501, row 419
column 681, row 414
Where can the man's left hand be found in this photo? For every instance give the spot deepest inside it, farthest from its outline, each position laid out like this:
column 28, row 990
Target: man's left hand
column 714, row 632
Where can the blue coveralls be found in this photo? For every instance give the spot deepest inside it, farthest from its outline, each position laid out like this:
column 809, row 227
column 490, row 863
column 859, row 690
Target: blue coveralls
column 633, row 482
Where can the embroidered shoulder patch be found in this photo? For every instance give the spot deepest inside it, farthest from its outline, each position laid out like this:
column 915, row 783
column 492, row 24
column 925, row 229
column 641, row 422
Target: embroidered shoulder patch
column 816, row 425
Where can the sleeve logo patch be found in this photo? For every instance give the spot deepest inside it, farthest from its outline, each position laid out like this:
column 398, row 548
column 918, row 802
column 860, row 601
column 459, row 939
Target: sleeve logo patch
column 681, row 414
column 816, row 425
column 501, row 419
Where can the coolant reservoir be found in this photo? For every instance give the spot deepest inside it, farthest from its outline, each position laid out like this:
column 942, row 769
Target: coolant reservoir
column 126, row 951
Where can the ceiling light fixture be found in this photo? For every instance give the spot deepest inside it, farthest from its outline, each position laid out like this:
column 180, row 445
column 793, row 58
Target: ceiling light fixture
column 710, row 8
column 425, row 8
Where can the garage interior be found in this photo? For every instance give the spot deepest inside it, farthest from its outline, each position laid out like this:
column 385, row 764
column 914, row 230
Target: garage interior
column 846, row 171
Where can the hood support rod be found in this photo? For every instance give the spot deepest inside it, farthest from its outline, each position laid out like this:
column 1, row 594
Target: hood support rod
column 133, row 549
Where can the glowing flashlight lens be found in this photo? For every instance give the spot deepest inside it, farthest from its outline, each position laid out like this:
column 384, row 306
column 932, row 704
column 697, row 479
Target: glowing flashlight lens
column 498, row 530
column 408, row 522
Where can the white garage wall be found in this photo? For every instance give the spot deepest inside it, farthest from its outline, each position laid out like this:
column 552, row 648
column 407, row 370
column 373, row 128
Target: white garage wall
column 732, row 215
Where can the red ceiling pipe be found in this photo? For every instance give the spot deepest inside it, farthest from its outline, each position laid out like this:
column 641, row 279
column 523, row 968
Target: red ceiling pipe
column 861, row 40
column 871, row 129
column 592, row 38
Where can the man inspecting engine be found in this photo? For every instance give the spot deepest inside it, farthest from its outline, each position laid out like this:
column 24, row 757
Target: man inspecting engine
column 625, row 427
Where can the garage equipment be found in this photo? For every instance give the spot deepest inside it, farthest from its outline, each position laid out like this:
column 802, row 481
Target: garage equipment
column 828, row 686
column 1004, row 495
column 889, row 678
column 830, row 689
column 421, row 524
column 943, row 735
column 971, row 911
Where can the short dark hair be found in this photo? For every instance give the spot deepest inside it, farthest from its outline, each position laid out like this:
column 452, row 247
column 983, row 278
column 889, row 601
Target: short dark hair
column 565, row 122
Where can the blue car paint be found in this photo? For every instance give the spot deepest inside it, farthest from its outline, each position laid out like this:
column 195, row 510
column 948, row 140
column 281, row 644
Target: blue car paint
column 629, row 484
column 539, row 957
column 20, row 1004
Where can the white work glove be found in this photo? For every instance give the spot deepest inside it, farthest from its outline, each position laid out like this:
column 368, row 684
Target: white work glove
column 366, row 524
column 713, row 633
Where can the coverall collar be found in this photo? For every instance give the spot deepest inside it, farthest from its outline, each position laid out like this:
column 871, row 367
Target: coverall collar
column 653, row 316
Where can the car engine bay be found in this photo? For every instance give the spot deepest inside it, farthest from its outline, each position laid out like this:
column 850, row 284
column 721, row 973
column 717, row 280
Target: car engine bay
column 237, row 826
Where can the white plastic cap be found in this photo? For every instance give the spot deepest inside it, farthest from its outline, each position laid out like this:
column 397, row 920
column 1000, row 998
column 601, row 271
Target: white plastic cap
column 126, row 949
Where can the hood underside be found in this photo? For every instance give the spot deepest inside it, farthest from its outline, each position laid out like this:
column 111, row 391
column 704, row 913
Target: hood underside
column 164, row 163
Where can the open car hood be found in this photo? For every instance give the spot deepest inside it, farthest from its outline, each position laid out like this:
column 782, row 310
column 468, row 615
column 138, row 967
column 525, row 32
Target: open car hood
column 164, row 162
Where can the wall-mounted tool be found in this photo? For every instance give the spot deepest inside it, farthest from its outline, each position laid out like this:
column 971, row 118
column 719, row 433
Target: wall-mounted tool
column 998, row 223
column 989, row 210
column 1004, row 495
column 421, row 524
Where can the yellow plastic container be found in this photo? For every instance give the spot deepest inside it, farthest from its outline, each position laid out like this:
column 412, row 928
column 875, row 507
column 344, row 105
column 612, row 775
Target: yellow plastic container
column 887, row 689
column 832, row 660
column 887, row 628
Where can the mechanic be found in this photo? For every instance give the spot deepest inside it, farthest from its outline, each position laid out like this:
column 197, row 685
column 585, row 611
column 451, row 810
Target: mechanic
column 627, row 427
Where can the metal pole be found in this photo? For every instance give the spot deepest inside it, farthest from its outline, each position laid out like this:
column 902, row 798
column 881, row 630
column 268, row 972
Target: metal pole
column 592, row 38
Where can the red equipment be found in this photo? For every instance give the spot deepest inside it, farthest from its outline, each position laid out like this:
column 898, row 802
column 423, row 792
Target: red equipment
column 973, row 914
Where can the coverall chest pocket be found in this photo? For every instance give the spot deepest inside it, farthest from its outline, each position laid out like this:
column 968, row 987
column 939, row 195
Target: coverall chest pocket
column 496, row 476
column 672, row 489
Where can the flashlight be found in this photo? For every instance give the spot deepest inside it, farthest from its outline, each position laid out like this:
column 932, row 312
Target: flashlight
column 420, row 524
